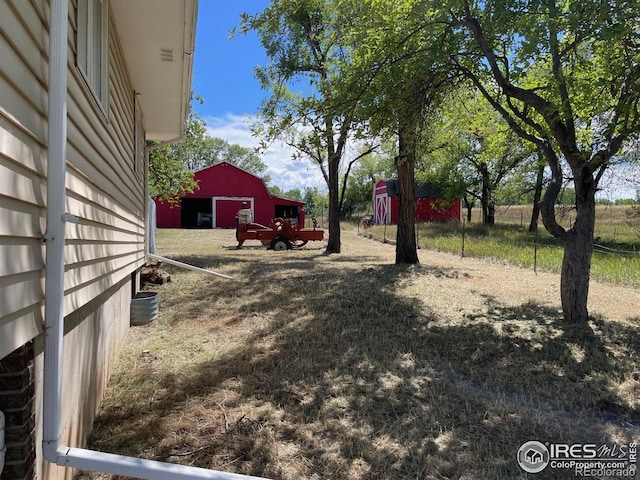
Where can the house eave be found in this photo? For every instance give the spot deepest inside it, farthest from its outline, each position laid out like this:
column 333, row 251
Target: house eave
column 158, row 38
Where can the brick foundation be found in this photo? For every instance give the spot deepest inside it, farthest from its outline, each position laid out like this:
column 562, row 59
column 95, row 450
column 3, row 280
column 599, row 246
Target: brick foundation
column 17, row 395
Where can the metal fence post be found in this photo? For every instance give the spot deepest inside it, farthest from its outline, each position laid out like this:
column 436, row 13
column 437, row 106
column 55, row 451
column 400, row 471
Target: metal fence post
column 463, row 236
column 535, row 252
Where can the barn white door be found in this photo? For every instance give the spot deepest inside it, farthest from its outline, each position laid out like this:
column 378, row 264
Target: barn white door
column 383, row 209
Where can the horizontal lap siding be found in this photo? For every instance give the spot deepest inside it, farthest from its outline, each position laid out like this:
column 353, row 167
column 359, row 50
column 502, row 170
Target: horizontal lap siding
column 103, row 191
column 23, row 102
column 107, row 244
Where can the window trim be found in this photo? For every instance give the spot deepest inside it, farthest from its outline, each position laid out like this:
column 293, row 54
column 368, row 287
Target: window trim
column 138, row 138
column 92, row 50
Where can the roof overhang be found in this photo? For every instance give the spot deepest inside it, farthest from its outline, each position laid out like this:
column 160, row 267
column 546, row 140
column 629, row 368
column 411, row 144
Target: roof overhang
column 158, row 40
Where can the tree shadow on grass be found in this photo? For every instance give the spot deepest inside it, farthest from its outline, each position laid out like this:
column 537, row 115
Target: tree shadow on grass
column 273, row 278
column 352, row 379
column 531, row 348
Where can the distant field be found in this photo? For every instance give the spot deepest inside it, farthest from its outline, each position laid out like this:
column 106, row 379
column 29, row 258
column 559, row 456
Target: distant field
column 612, row 221
column 617, row 241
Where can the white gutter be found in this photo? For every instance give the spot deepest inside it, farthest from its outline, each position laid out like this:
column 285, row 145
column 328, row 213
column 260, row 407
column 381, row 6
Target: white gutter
column 52, row 449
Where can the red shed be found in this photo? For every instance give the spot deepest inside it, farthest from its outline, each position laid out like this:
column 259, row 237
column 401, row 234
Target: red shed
column 223, row 188
column 431, row 206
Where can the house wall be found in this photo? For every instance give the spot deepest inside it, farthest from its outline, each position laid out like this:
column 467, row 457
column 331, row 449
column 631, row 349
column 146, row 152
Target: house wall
column 103, row 189
column 92, row 341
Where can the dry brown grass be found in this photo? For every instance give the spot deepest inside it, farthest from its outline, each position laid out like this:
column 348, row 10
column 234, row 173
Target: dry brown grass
column 308, row 366
column 612, row 221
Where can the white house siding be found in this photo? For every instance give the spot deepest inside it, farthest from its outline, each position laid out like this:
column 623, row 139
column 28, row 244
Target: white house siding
column 22, row 175
column 105, row 248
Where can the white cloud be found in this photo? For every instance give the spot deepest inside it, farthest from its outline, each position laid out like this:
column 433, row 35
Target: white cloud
column 286, row 173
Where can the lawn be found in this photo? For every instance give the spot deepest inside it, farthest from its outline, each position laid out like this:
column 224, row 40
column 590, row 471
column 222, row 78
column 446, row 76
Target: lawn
column 307, row 366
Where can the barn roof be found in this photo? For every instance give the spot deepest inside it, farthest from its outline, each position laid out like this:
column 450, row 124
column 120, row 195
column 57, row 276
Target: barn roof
column 297, row 202
column 246, row 172
column 423, row 190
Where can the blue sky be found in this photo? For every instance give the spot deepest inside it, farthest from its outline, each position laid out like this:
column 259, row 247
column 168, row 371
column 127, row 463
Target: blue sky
column 223, row 76
column 223, row 67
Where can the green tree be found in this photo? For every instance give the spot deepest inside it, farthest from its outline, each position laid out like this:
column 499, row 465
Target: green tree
column 293, row 194
column 317, row 202
column 170, row 177
column 566, row 77
column 476, row 142
column 302, row 41
column 276, row 191
column 359, row 191
column 441, row 163
column 399, row 58
column 171, row 166
column 214, row 150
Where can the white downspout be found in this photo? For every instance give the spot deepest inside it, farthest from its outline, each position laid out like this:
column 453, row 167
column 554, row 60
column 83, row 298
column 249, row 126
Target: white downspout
column 55, row 234
column 188, row 267
column 52, row 449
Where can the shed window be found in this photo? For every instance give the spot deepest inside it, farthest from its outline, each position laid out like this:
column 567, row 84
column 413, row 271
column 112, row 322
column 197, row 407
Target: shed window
column 93, row 47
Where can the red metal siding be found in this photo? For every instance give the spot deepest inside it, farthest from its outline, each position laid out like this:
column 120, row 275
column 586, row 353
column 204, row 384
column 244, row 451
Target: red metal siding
column 393, row 210
column 437, row 210
column 228, row 186
column 167, row 216
column 427, row 209
column 226, row 180
column 226, row 212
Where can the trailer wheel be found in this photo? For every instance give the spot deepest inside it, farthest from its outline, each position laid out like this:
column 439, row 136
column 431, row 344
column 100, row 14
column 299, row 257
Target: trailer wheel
column 280, row 244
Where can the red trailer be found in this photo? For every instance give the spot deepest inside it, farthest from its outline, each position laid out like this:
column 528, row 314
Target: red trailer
column 280, row 235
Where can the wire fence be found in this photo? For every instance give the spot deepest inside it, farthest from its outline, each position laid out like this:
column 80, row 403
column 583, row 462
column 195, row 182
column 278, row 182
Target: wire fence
column 616, row 248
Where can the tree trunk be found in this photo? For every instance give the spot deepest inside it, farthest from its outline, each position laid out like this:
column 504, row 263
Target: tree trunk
column 469, row 206
column 578, row 249
column 333, row 243
column 574, row 278
column 488, row 207
column 406, row 248
column 533, row 225
column 491, row 213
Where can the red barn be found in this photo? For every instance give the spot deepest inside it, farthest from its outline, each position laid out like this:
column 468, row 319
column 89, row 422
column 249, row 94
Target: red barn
column 223, row 189
column 431, row 206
